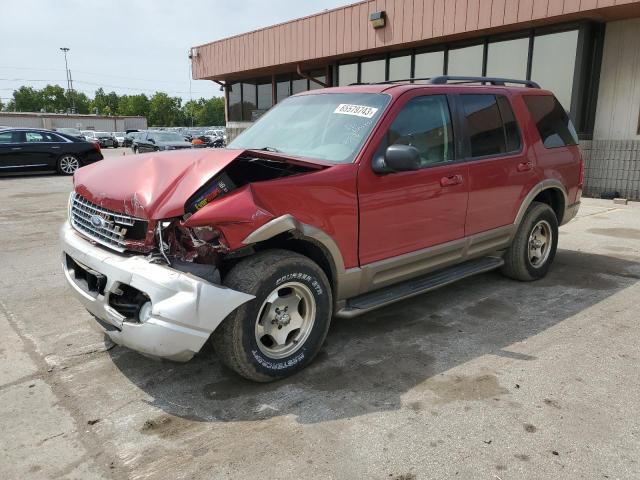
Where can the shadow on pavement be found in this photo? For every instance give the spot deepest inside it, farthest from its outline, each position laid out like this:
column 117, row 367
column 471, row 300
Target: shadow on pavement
column 369, row 363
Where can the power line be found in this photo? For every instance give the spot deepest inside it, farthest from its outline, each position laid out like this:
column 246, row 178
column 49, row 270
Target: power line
column 95, row 74
column 98, row 85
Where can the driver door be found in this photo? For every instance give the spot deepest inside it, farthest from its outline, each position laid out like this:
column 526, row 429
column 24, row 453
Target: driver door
column 408, row 212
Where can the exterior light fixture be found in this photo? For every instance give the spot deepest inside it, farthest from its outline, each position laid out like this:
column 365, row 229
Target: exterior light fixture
column 378, row 19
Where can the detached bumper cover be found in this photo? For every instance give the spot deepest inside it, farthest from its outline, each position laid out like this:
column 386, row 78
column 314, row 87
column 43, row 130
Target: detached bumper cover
column 185, row 309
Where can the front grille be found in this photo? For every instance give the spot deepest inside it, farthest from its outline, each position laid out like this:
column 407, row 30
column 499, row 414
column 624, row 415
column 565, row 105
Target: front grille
column 106, row 227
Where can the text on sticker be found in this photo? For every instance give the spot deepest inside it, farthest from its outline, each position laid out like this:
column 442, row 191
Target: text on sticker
column 357, row 110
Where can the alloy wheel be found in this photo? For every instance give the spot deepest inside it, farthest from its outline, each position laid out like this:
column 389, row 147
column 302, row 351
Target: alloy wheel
column 285, row 320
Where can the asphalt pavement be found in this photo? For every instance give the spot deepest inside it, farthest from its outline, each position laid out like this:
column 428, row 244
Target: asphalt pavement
column 484, row 379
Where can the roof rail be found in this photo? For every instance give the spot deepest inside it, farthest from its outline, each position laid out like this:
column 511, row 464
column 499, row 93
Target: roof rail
column 445, row 79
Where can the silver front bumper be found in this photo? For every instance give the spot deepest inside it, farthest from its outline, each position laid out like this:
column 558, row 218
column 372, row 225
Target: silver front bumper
column 185, row 309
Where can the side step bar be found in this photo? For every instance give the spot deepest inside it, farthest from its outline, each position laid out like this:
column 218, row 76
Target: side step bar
column 410, row 288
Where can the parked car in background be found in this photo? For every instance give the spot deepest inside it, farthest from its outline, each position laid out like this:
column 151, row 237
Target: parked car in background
column 153, row 141
column 103, row 138
column 74, row 132
column 334, row 203
column 35, row 149
column 119, row 136
column 129, row 138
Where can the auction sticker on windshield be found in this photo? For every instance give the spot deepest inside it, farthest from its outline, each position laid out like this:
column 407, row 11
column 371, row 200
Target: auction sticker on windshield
column 357, row 110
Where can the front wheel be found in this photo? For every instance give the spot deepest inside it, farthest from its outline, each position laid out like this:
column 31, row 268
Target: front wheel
column 280, row 331
column 68, row 164
column 534, row 247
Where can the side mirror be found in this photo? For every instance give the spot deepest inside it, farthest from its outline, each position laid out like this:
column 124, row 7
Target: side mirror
column 151, row 140
column 397, row 158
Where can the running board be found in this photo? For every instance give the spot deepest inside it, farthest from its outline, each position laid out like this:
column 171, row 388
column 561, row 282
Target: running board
column 385, row 296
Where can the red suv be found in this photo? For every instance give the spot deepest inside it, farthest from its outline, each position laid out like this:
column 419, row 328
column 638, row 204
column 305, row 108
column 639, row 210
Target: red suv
column 336, row 202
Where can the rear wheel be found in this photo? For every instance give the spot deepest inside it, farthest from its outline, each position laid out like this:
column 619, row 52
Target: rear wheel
column 135, row 149
column 68, row 164
column 534, row 247
column 283, row 328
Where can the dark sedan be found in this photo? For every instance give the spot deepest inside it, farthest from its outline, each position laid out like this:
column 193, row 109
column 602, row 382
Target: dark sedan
column 151, row 141
column 31, row 150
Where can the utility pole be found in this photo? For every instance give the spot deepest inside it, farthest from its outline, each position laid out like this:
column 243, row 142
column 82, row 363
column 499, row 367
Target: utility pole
column 69, row 81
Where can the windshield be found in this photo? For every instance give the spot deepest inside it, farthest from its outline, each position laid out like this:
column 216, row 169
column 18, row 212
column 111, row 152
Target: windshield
column 103, row 134
column 328, row 126
column 119, row 134
column 168, row 137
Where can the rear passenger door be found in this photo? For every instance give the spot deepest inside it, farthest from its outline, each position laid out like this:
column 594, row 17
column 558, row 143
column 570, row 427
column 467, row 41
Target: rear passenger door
column 501, row 166
column 10, row 150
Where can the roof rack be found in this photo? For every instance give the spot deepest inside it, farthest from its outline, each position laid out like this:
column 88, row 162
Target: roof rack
column 446, row 79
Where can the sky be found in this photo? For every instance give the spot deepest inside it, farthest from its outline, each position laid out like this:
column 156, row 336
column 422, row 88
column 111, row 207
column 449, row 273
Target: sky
column 126, row 46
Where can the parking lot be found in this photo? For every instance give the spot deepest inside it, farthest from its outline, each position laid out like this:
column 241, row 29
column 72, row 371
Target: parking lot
column 484, row 379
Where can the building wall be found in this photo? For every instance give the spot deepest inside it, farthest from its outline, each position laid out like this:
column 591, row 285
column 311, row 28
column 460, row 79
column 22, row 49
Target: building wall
column 618, row 112
column 82, row 122
column 346, row 31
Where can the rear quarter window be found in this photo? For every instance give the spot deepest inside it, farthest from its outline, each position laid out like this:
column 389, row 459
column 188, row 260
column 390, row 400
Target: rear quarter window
column 553, row 123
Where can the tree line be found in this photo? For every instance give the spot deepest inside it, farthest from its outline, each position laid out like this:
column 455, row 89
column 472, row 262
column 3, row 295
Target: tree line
column 160, row 109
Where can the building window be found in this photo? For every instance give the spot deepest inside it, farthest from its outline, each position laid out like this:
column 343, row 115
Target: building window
column 373, row 71
column 248, row 101
column 347, row 74
column 283, row 87
column 400, row 67
column 508, row 59
column 429, row 64
column 299, row 85
column 553, row 63
column 235, row 103
column 318, row 75
column 466, row 61
column 265, row 94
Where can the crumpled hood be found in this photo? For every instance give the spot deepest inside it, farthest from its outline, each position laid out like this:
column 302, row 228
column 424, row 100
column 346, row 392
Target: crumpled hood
column 151, row 186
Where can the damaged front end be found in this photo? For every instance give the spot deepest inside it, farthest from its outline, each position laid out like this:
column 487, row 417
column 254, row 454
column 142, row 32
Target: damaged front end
column 156, row 287
column 219, row 216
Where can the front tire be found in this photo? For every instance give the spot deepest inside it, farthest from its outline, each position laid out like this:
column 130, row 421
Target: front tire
column 533, row 249
column 280, row 331
column 68, row 164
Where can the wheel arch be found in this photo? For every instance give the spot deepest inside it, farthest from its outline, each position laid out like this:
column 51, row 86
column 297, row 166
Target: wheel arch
column 288, row 233
column 550, row 192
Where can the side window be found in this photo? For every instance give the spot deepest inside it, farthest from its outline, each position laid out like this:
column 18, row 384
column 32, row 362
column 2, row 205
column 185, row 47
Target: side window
column 35, row 137
column 484, row 125
column 491, row 125
column 553, row 123
column 55, row 138
column 511, row 130
column 8, row 137
column 425, row 123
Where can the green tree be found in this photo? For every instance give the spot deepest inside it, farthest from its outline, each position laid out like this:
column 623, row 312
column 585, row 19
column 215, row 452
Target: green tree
column 54, row 99
column 80, row 100
column 212, row 112
column 133, row 105
column 104, row 103
column 165, row 110
column 26, row 99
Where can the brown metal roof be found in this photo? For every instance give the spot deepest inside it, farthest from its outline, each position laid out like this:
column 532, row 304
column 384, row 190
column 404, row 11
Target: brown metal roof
column 346, row 31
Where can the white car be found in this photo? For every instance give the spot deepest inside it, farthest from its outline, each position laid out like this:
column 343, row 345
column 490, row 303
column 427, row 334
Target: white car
column 119, row 136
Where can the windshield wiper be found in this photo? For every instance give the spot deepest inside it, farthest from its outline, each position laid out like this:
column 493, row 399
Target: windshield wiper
column 267, row 149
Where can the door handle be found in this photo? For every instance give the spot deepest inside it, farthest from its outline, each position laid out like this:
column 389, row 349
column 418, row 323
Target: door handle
column 56, row 148
column 451, row 180
column 525, row 166
column 16, row 148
